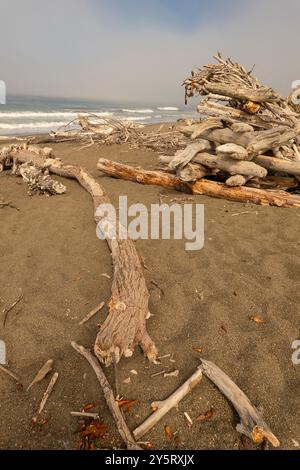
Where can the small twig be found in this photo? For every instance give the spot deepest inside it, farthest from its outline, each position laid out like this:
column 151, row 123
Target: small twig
column 11, row 374
column 158, row 373
column 8, row 309
column 244, row 212
column 109, row 397
column 158, row 287
column 85, row 415
column 46, row 395
column 9, row 204
column 92, row 313
column 41, row 373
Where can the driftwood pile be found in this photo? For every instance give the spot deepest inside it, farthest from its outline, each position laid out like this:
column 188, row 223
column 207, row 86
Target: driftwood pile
column 245, row 147
column 249, row 130
column 89, row 130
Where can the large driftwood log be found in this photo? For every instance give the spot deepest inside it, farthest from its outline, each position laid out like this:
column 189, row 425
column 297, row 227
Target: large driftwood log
column 259, row 146
column 237, row 152
column 233, row 167
column 252, row 423
column 204, row 187
column 229, row 114
column 241, row 92
column 277, row 164
column 125, row 326
column 184, row 156
column 206, row 125
column 192, row 172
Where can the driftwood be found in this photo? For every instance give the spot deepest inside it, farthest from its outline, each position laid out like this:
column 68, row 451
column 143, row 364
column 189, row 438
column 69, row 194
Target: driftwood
column 236, row 180
column 192, row 172
column 276, row 164
column 161, row 408
column 234, row 115
column 182, row 157
column 92, row 313
column 46, row 395
column 237, row 152
column 10, row 373
column 41, row 373
column 252, row 424
column 82, row 414
column 11, row 307
column 231, row 166
column 109, row 397
column 125, row 326
column 204, row 186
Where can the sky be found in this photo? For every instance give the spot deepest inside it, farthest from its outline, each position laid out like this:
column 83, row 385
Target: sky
column 141, row 50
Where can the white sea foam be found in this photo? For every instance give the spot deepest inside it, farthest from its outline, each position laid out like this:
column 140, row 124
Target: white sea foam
column 135, row 118
column 141, row 111
column 50, row 114
column 33, row 125
column 167, row 108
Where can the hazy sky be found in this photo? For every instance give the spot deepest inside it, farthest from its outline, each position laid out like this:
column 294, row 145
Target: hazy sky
column 141, row 49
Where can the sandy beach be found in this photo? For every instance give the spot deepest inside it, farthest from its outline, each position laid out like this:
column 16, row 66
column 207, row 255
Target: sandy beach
column 250, row 265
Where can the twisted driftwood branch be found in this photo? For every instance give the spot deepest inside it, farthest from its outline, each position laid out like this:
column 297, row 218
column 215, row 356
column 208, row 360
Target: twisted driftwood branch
column 125, row 326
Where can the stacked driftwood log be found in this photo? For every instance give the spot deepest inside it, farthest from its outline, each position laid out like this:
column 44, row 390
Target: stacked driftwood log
column 246, row 131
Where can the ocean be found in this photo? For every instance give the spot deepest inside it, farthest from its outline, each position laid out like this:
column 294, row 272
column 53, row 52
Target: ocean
column 35, row 115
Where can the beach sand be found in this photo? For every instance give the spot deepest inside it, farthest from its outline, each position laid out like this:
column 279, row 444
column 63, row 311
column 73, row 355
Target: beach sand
column 250, row 265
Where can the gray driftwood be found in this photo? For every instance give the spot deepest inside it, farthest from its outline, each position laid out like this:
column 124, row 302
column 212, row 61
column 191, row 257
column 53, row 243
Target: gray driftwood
column 252, row 423
column 109, row 397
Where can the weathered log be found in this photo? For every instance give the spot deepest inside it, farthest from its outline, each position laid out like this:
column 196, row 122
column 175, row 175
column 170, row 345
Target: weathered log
column 204, row 187
column 236, row 180
column 252, row 423
column 125, row 326
column 276, row 164
column 254, row 142
column 273, row 141
column 206, row 125
column 241, row 93
column 182, row 157
column 227, row 113
column 233, row 167
column 237, row 152
column 274, row 182
column 241, row 127
column 192, row 172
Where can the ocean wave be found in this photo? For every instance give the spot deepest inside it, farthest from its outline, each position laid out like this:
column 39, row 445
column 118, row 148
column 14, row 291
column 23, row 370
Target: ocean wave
column 141, row 111
column 167, row 108
column 50, row 114
column 32, row 125
column 137, row 118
